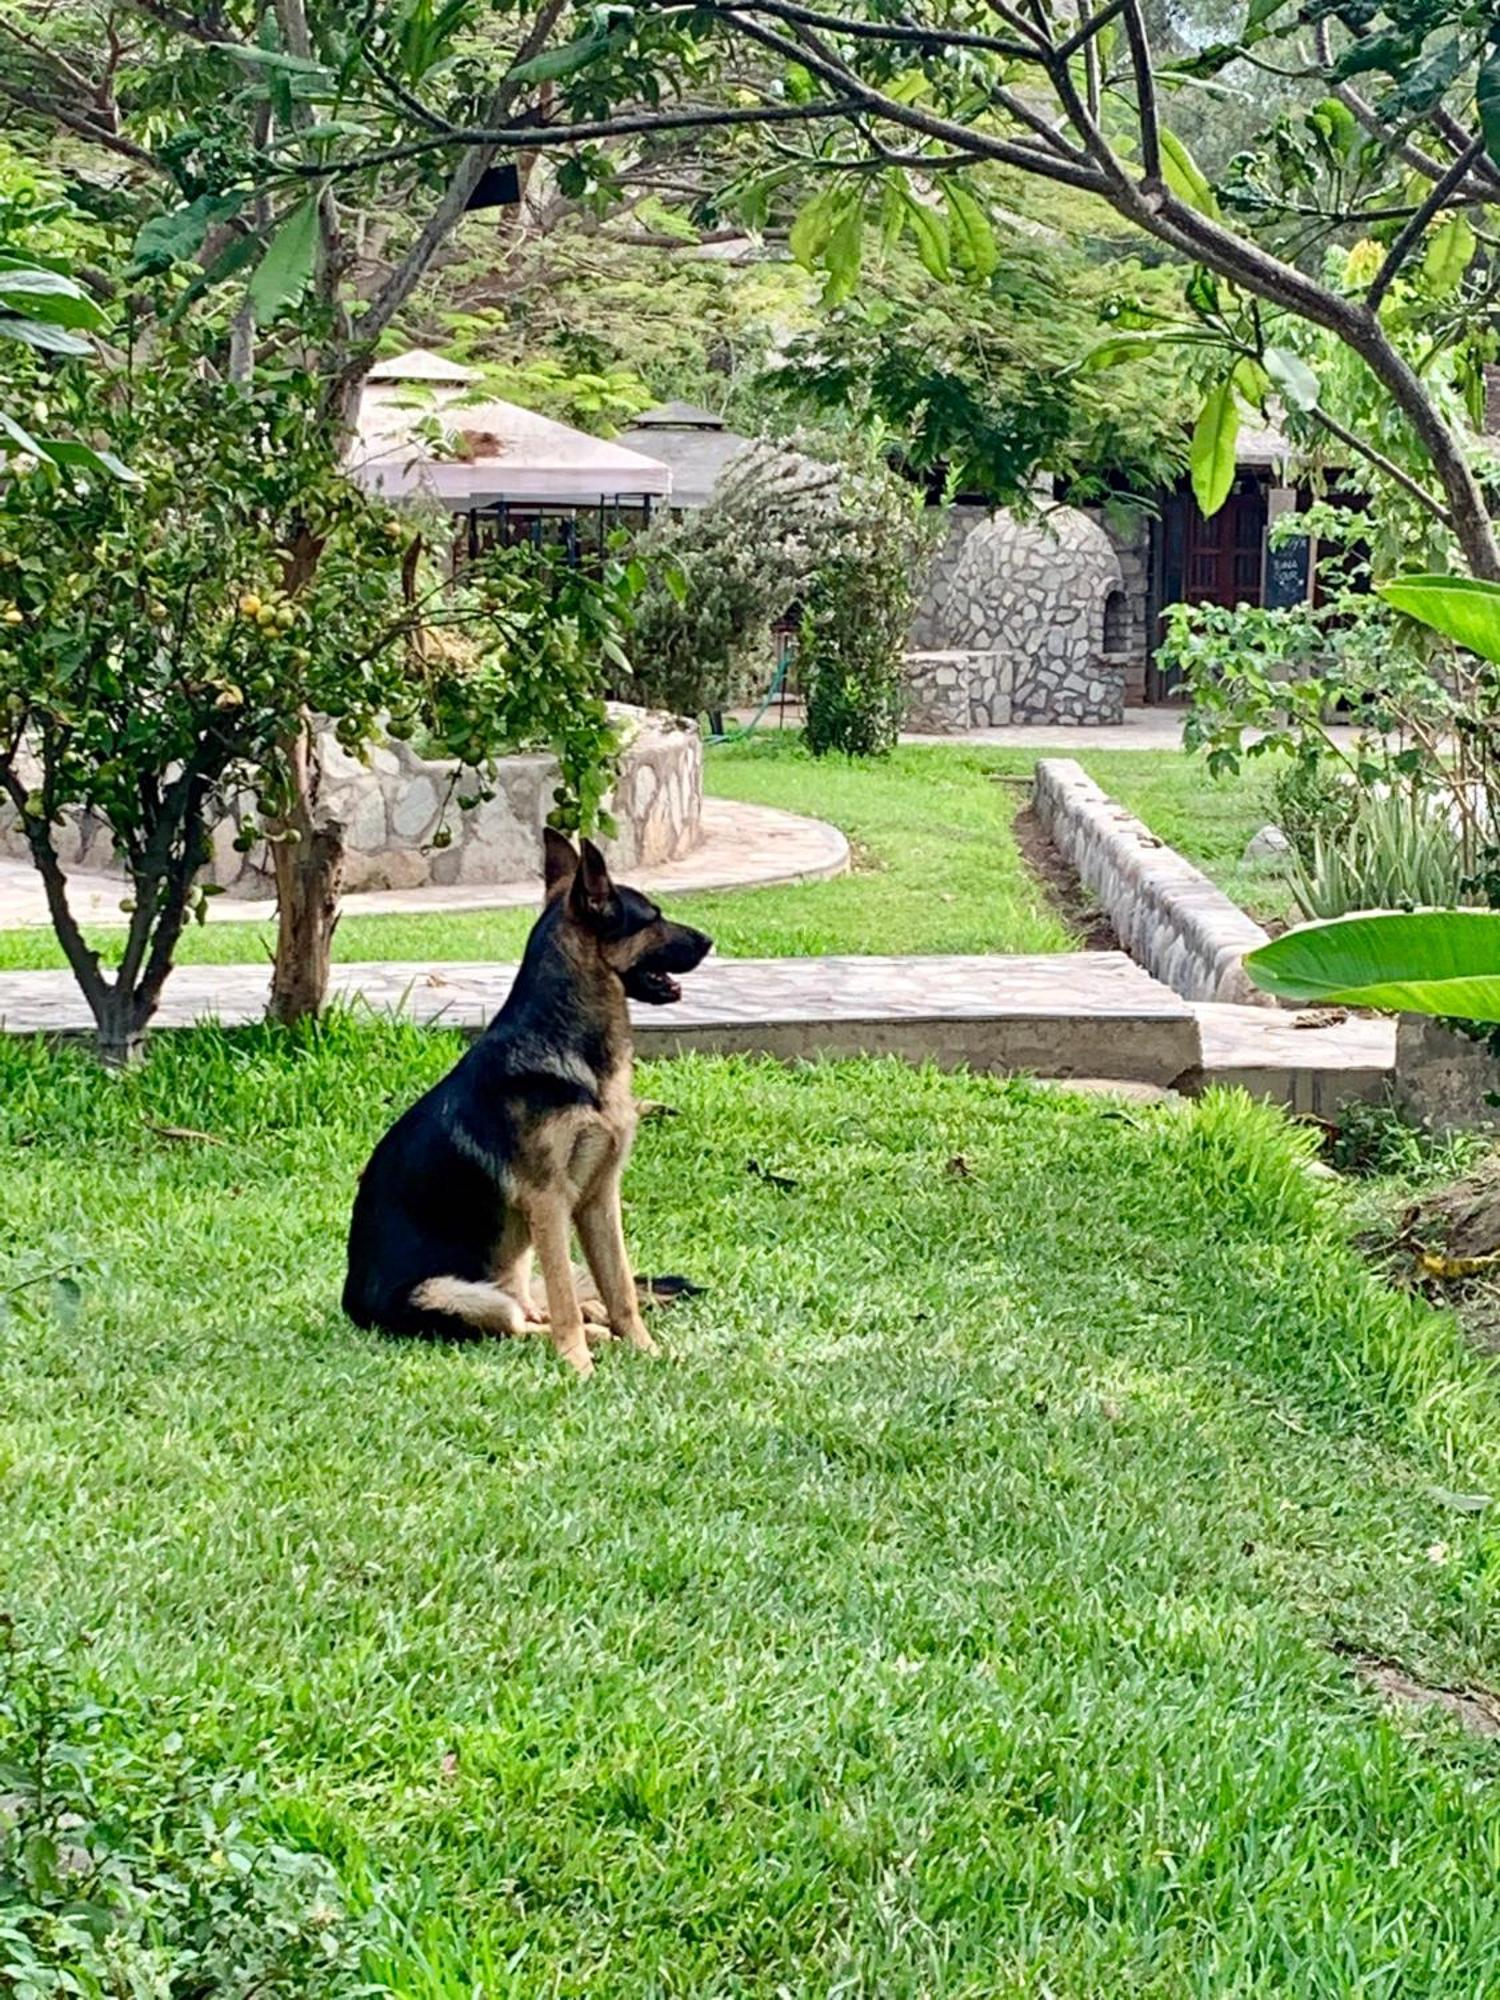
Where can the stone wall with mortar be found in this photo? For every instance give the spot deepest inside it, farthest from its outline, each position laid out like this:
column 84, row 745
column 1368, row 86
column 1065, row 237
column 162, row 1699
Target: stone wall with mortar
column 950, row 692
column 1168, row 915
column 1034, row 592
column 1129, row 535
column 1443, row 1079
column 393, row 805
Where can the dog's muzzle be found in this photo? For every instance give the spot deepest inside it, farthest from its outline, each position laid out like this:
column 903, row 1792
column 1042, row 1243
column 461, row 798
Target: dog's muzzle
column 651, row 978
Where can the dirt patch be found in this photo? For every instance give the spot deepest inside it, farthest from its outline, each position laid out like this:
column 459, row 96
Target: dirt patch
column 1447, row 1245
column 1077, row 908
column 1475, row 1709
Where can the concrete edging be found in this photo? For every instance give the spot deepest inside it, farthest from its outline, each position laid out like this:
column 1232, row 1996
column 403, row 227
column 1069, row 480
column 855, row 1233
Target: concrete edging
column 1167, row 914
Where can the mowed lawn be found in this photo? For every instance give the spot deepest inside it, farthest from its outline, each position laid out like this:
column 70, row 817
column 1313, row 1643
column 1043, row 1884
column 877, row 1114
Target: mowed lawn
column 966, row 1607
column 936, row 864
column 936, row 869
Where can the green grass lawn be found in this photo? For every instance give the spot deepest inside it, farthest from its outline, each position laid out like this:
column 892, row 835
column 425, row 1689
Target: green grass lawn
column 1208, row 819
column 936, row 865
column 960, row 1610
column 936, row 869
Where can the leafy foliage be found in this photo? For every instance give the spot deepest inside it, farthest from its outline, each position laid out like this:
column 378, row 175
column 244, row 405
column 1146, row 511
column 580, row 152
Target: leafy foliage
column 1399, row 850
column 716, row 580
column 1436, row 962
column 135, row 1870
column 857, row 614
column 163, row 644
column 976, row 388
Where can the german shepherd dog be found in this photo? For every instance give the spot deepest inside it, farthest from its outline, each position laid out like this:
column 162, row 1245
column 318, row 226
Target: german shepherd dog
column 526, row 1138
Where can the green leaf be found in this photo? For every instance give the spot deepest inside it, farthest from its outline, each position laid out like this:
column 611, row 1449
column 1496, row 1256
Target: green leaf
column 1252, row 381
column 84, row 458
column 171, row 239
column 809, row 234
column 931, row 234
column 1438, row 962
column 1487, row 101
column 1292, row 376
column 1211, row 456
column 1449, row 253
column 845, row 248
column 236, row 254
column 38, row 334
column 1122, row 347
column 48, row 295
column 1184, row 177
column 284, row 273
column 20, row 437
column 553, row 63
column 273, row 59
column 974, row 247
column 1462, row 608
column 892, row 214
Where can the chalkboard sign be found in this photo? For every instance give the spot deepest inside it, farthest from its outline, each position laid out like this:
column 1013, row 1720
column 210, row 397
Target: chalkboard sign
column 1286, row 573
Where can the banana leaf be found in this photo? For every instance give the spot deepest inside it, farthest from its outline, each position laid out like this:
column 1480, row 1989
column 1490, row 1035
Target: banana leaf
column 1439, row 962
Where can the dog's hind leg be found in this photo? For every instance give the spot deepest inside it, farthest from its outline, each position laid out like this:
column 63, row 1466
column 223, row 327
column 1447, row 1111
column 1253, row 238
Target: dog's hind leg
column 484, row 1308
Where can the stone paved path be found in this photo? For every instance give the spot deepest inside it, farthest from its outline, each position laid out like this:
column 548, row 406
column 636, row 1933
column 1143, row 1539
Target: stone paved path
column 744, row 847
column 1084, row 1014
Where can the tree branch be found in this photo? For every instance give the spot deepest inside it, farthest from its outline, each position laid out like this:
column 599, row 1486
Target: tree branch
column 1388, row 466
column 84, row 962
column 444, row 219
column 1413, row 231
column 937, row 40
column 1145, row 89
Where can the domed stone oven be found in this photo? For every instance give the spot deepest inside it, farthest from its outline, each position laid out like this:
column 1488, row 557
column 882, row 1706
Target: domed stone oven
column 1020, row 623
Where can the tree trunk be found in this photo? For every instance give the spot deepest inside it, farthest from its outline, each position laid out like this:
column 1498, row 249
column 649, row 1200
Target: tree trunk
column 309, row 870
column 307, row 854
column 120, row 1028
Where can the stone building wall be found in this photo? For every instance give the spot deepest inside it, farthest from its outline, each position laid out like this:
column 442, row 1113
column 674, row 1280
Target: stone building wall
column 1130, row 537
column 1033, row 592
column 394, row 805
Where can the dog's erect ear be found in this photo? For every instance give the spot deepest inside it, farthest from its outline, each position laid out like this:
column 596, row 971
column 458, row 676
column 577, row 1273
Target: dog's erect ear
column 592, row 888
column 559, row 862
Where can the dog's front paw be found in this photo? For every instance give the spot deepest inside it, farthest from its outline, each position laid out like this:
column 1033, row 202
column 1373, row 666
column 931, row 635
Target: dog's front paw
column 578, row 1358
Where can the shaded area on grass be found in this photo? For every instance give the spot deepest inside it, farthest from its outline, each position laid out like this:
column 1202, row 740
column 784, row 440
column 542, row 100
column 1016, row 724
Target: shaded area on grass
column 951, row 1613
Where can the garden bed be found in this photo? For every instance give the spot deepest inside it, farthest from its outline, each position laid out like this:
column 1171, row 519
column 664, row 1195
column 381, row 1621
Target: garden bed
column 979, row 1600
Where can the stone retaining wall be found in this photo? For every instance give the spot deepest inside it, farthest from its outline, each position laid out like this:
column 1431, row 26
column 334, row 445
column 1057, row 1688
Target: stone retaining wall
column 393, row 806
column 1166, row 913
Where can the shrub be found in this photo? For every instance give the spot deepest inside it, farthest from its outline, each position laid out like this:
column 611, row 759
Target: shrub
column 857, row 616
column 1311, row 796
column 720, row 578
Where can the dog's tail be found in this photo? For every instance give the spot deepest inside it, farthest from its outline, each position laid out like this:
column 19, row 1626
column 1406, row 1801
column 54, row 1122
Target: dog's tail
column 667, row 1289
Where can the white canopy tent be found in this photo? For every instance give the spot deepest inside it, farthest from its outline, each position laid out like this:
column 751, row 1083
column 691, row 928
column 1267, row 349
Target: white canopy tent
column 488, row 454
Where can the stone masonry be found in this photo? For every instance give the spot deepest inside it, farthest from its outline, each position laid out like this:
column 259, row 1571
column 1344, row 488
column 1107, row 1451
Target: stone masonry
column 396, row 806
column 1032, row 592
column 947, row 693
column 1171, row 919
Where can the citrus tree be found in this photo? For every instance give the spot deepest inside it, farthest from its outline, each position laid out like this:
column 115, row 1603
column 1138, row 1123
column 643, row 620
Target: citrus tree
column 165, row 642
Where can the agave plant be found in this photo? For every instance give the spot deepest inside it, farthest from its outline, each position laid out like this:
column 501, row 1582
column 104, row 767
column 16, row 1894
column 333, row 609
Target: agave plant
column 1442, row 962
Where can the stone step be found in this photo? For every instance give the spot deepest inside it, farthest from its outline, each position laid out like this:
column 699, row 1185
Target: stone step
column 1093, row 1014
column 1081, row 1015
column 1311, row 1062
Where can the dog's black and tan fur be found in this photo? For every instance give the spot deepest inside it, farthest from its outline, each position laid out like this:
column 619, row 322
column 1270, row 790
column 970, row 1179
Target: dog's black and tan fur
column 526, row 1138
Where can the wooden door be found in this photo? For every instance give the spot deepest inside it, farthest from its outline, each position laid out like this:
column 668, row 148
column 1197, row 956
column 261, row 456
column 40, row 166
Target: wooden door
column 1202, row 561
